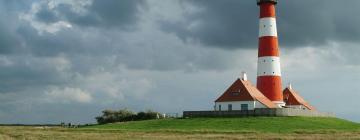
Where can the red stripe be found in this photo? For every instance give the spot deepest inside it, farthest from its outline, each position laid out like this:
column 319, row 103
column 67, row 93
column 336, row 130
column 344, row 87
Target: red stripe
column 267, row 10
column 268, row 46
column 270, row 86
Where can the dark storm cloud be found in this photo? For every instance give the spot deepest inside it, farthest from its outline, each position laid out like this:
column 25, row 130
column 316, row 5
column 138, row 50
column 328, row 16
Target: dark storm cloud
column 14, row 32
column 12, row 5
column 99, row 14
column 21, row 76
column 226, row 23
column 115, row 12
column 8, row 41
column 46, row 15
column 233, row 24
column 108, row 13
column 48, row 44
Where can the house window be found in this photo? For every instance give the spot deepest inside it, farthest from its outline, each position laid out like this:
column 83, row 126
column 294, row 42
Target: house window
column 230, row 107
column 235, row 93
column 244, row 107
column 219, row 107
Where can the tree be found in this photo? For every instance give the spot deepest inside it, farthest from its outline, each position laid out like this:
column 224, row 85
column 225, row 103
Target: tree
column 123, row 115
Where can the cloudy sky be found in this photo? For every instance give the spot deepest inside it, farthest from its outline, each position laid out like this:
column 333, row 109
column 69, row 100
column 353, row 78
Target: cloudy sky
column 66, row 60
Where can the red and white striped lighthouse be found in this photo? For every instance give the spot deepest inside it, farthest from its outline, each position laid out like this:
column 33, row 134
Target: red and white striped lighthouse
column 269, row 73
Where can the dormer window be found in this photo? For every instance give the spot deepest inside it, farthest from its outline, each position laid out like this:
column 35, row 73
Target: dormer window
column 235, row 93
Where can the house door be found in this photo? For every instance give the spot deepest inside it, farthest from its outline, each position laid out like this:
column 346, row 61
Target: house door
column 229, row 107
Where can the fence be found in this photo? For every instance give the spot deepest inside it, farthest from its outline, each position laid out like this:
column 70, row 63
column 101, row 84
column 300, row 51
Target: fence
column 258, row 112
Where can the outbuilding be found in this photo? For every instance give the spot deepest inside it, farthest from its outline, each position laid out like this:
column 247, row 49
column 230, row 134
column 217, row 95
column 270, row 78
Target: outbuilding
column 293, row 100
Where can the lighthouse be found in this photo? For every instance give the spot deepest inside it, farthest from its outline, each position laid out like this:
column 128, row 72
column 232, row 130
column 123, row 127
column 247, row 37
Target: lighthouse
column 268, row 70
column 267, row 93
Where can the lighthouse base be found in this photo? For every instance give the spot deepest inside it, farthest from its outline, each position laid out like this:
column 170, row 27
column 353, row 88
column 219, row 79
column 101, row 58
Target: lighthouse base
column 279, row 104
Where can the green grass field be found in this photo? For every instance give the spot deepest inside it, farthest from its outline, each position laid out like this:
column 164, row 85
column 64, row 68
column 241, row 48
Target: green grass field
column 253, row 124
column 199, row 128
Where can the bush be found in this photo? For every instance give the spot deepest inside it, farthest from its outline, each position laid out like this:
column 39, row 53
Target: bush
column 123, row 115
column 110, row 116
column 148, row 115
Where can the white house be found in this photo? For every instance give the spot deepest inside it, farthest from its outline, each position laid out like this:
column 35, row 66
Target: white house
column 242, row 95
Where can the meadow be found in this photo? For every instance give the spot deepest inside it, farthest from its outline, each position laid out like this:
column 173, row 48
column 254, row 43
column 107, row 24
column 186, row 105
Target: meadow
column 198, row 128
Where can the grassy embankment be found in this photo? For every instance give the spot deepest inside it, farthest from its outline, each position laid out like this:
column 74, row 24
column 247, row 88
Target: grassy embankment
column 200, row 128
column 253, row 124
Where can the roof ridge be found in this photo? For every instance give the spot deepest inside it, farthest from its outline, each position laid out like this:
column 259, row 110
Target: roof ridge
column 260, row 99
column 246, row 88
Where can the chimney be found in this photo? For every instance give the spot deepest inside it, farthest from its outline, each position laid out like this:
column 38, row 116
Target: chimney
column 243, row 76
column 289, row 86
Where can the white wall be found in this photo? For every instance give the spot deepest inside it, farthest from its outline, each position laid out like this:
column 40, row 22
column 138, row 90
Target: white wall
column 297, row 107
column 236, row 105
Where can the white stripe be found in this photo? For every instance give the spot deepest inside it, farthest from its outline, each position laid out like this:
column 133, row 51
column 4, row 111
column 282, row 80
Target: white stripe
column 267, row 27
column 269, row 66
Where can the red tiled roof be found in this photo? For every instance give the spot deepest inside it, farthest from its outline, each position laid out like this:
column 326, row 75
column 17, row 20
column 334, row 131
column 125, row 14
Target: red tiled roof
column 242, row 90
column 292, row 98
